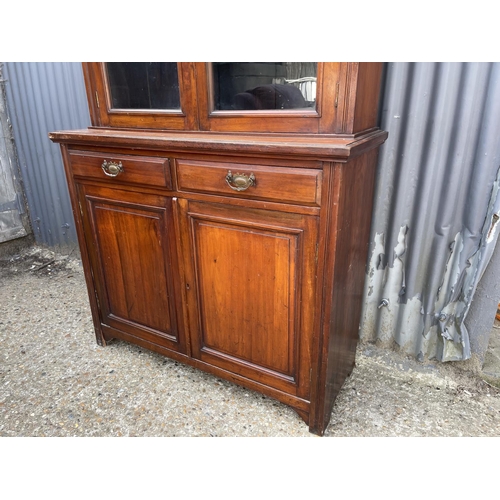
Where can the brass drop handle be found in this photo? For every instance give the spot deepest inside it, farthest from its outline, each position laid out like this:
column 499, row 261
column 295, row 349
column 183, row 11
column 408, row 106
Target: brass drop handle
column 112, row 169
column 240, row 182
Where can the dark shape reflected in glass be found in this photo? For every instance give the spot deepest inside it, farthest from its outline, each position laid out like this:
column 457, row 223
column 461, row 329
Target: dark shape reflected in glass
column 144, row 85
column 271, row 86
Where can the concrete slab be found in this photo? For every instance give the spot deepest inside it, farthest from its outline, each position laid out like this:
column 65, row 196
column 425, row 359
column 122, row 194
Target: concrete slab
column 56, row 381
column 491, row 366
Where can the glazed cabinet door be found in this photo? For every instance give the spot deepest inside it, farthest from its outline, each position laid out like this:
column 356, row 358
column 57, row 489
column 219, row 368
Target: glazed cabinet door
column 250, row 278
column 131, row 247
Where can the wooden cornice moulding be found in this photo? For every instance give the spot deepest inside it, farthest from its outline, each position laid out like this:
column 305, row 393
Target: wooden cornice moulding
column 318, row 147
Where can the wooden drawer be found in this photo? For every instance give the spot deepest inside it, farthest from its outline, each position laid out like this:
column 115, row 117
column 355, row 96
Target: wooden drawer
column 136, row 169
column 300, row 186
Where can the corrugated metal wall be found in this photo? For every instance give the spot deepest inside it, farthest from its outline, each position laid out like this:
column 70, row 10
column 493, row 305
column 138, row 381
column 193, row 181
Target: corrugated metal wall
column 437, row 206
column 42, row 98
column 434, row 225
column 13, row 223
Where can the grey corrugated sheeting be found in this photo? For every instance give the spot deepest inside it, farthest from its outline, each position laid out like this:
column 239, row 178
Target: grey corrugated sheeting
column 434, row 226
column 42, row 98
column 11, row 195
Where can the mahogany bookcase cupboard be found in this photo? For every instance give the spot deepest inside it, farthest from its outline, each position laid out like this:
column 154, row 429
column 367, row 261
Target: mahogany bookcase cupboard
column 223, row 214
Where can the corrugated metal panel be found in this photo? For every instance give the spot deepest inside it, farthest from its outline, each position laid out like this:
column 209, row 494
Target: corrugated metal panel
column 42, row 98
column 12, row 206
column 437, row 206
column 434, row 224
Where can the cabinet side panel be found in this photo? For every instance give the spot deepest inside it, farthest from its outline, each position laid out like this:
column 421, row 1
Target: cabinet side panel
column 84, row 251
column 367, row 96
column 351, row 250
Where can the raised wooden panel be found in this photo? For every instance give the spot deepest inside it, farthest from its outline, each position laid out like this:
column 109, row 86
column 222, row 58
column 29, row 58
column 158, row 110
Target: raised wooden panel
column 252, row 273
column 289, row 185
column 244, row 281
column 133, row 263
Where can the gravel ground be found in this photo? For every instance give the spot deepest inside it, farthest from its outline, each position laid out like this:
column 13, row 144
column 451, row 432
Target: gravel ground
column 56, row 381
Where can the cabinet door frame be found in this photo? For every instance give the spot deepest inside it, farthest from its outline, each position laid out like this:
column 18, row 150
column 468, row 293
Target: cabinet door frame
column 303, row 121
column 302, row 228
column 338, row 108
column 104, row 115
column 90, row 197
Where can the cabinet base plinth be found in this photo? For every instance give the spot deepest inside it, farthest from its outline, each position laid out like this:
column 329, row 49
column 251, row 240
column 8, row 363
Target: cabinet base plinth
column 300, row 406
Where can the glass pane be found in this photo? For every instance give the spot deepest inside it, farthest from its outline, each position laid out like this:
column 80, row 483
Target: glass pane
column 144, row 85
column 275, row 85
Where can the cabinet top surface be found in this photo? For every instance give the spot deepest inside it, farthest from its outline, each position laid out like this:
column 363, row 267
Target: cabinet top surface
column 328, row 148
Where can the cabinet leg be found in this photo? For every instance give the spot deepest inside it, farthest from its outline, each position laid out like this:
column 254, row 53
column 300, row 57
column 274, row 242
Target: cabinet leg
column 317, row 430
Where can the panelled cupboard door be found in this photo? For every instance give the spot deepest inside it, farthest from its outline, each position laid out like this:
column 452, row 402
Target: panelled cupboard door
column 250, row 290
column 132, row 252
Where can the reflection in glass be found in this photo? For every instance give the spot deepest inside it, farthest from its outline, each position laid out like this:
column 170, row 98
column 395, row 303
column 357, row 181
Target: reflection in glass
column 143, row 85
column 276, row 85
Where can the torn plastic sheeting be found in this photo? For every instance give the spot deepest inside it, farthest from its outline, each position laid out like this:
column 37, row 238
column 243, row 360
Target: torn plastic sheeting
column 452, row 317
column 439, row 332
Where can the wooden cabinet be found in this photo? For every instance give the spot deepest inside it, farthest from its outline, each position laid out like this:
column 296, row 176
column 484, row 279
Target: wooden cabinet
column 226, row 227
